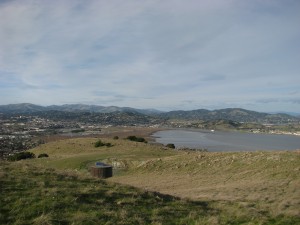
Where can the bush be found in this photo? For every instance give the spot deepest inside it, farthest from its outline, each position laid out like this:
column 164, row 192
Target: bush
column 116, row 137
column 21, row 155
column 99, row 143
column 108, row 145
column 78, row 131
column 43, row 155
column 137, row 139
column 170, row 145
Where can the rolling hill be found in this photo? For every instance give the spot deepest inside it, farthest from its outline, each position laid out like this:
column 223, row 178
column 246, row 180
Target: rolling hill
column 230, row 114
column 151, row 185
column 234, row 114
column 31, row 108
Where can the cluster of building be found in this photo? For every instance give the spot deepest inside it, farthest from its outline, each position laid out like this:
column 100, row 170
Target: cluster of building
column 19, row 133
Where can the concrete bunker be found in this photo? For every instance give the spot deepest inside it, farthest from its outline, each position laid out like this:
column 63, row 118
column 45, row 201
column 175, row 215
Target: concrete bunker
column 101, row 170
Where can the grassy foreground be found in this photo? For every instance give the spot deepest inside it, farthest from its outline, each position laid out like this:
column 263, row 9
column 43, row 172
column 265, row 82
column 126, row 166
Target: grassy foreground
column 31, row 195
column 210, row 188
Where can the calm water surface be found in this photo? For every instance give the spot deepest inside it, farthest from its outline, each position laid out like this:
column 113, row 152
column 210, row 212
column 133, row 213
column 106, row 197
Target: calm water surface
column 227, row 141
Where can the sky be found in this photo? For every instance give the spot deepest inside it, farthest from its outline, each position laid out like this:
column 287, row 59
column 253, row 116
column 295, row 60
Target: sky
column 166, row 55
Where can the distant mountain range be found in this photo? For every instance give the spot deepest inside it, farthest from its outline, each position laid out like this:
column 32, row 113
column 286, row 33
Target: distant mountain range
column 233, row 114
column 31, row 108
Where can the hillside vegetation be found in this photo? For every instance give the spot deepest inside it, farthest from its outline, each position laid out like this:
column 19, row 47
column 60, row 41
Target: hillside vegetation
column 35, row 195
column 114, row 115
column 208, row 188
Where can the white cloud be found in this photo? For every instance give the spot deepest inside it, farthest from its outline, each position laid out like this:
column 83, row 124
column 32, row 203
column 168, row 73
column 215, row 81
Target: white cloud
column 150, row 54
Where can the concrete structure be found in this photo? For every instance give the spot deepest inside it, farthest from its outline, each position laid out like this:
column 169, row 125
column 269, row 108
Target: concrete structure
column 101, row 170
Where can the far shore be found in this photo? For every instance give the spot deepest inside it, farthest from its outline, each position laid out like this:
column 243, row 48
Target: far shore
column 146, row 132
column 111, row 132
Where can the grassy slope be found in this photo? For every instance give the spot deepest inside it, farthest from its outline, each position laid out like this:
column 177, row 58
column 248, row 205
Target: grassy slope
column 270, row 179
column 34, row 195
column 256, row 187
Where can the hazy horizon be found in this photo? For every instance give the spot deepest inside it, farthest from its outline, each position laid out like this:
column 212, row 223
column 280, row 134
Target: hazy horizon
column 164, row 55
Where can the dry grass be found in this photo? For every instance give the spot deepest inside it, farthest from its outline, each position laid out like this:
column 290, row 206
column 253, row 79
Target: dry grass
column 36, row 195
column 262, row 182
column 270, row 179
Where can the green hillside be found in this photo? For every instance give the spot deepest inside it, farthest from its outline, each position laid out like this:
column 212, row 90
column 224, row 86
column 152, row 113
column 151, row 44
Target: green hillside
column 34, row 195
column 208, row 188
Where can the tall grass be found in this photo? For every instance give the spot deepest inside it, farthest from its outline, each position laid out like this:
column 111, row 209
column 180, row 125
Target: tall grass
column 35, row 195
column 31, row 195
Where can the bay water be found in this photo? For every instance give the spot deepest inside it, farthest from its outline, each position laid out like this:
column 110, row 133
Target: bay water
column 226, row 141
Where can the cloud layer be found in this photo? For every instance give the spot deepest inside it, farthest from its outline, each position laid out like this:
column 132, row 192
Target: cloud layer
column 152, row 54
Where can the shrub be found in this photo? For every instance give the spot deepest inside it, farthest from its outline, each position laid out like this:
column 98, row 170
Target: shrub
column 43, row 155
column 170, row 145
column 99, row 143
column 78, row 131
column 108, row 145
column 21, row 155
column 137, row 139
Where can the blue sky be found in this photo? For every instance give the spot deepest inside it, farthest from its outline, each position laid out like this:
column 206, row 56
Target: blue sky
column 166, row 55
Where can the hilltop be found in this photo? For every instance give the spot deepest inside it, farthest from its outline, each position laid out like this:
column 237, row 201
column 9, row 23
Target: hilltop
column 175, row 187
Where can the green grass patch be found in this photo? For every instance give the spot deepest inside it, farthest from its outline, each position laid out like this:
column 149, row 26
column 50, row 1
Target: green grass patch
column 35, row 195
column 31, row 195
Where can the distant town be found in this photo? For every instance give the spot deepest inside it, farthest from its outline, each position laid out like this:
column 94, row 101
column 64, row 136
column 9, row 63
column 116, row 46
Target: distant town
column 24, row 126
